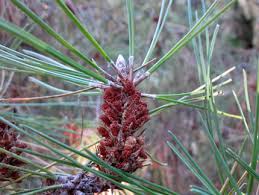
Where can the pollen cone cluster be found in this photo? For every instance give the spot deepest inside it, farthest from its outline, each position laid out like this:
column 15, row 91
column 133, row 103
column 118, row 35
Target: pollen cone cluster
column 9, row 141
column 124, row 114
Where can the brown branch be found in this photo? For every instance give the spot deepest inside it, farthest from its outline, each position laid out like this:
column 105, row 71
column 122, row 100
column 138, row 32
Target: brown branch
column 145, row 65
column 26, row 99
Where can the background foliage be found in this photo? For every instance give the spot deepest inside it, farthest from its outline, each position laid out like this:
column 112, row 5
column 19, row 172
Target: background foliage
column 108, row 23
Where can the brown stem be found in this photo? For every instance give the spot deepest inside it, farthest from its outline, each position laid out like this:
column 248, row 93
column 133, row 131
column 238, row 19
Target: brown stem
column 14, row 100
column 141, row 78
column 144, row 65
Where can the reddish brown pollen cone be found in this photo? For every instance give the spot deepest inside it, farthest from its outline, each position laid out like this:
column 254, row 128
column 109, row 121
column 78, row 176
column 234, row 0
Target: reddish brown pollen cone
column 124, row 113
column 9, row 141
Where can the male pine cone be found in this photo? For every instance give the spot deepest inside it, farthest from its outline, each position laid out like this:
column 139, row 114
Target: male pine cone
column 9, row 141
column 124, row 114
